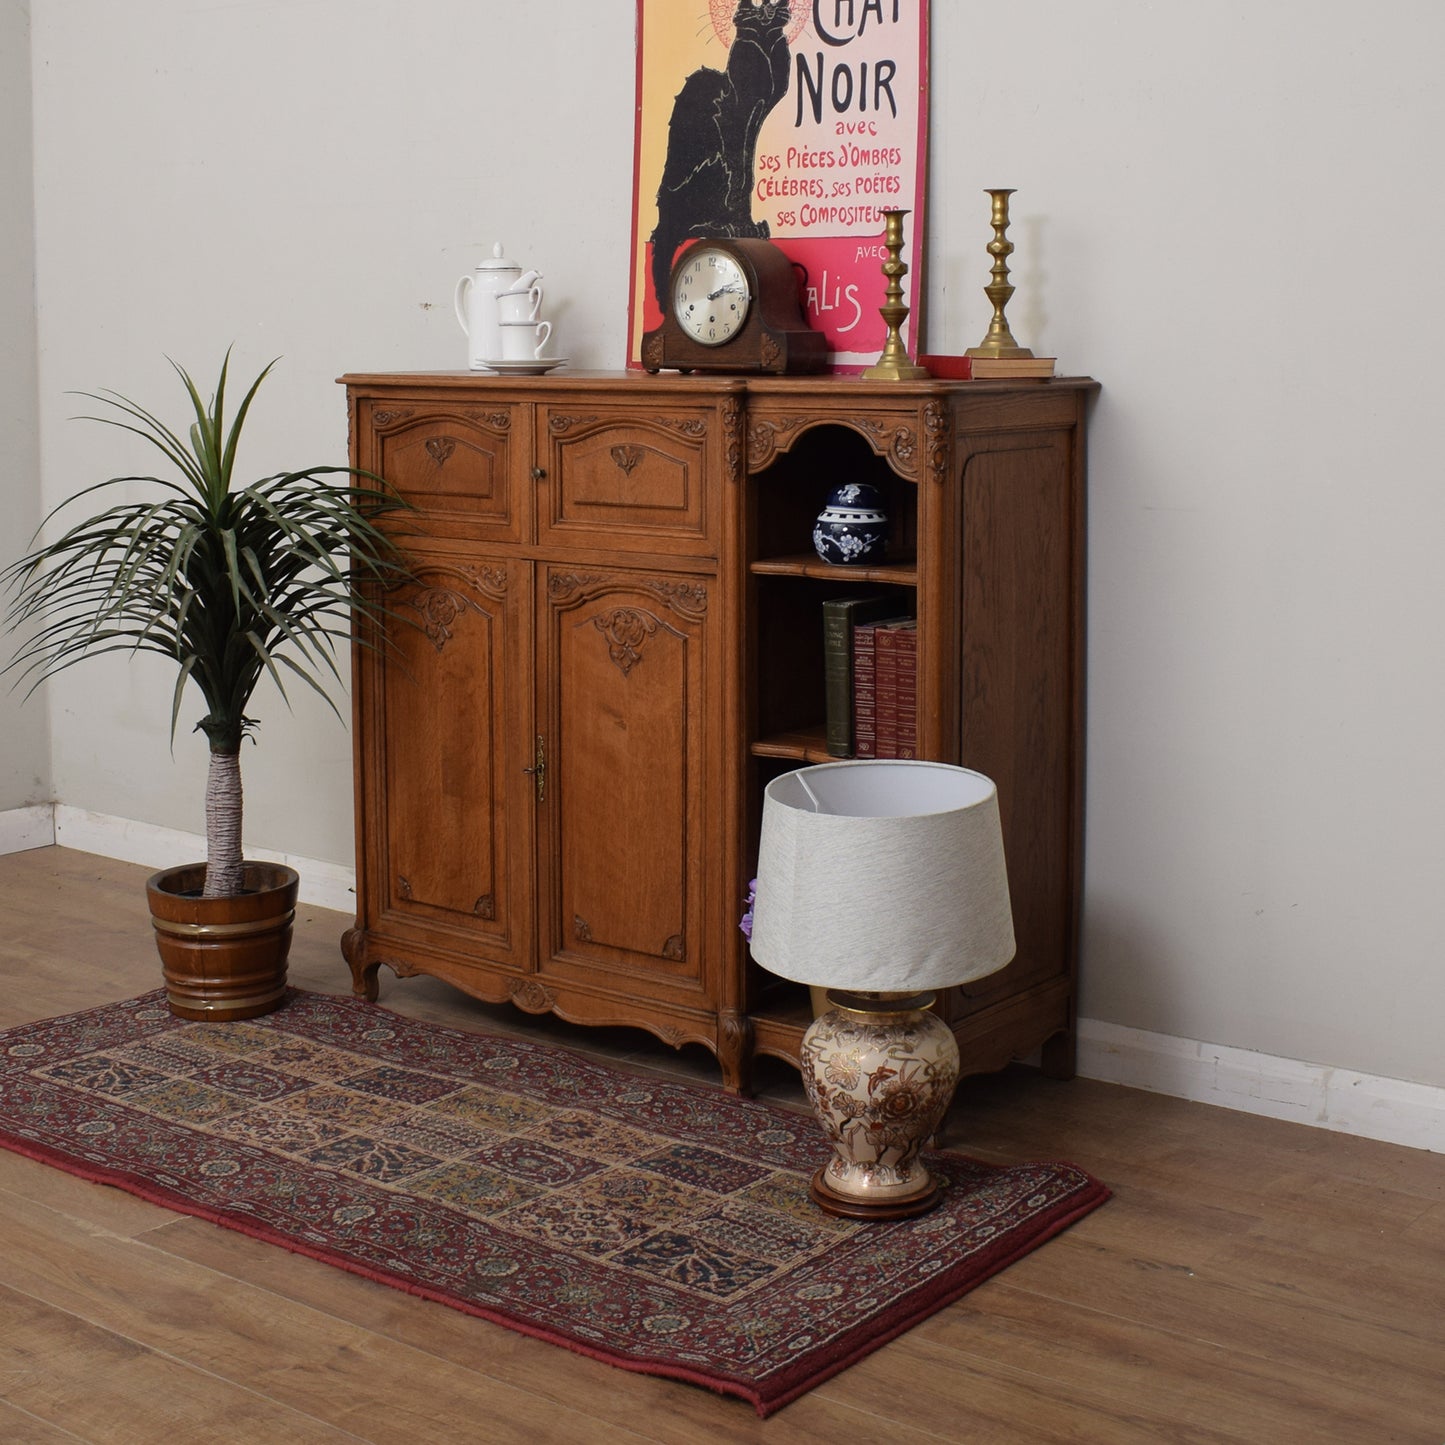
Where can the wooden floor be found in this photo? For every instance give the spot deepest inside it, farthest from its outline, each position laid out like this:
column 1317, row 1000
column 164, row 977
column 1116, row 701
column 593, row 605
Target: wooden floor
column 1250, row 1281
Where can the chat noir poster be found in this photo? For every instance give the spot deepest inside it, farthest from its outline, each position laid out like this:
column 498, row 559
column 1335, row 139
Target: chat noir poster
column 801, row 121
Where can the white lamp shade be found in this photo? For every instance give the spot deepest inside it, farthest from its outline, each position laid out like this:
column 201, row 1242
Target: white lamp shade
column 882, row 875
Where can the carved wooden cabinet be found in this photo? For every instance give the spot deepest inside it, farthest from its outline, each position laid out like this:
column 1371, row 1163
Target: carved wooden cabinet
column 617, row 643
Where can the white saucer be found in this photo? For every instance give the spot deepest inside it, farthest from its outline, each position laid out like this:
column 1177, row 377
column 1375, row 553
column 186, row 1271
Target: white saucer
column 533, row 366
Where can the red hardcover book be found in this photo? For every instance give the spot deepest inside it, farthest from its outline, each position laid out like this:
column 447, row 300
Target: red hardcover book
column 885, row 672
column 950, row 368
column 865, row 714
column 905, row 654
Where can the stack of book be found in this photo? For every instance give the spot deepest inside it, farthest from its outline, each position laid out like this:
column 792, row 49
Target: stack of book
column 990, row 368
column 885, row 690
column 870, row 674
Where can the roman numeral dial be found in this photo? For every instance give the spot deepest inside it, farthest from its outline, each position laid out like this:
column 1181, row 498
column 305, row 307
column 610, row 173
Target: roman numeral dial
column 710, row 296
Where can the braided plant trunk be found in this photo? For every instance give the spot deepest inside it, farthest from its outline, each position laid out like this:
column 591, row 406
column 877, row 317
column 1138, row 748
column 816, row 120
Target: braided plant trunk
column 223, row 825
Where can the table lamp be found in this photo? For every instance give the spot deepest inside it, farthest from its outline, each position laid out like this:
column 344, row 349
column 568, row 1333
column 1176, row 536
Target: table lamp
column 880, row 881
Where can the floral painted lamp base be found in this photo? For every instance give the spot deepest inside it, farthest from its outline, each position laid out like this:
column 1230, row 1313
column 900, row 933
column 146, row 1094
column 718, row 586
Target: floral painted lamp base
column 880, row 1071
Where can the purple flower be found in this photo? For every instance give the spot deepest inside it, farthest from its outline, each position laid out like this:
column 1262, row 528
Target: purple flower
column 746, row 921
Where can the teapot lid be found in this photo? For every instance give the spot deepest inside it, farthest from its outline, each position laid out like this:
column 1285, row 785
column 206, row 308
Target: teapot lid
column 497, row 262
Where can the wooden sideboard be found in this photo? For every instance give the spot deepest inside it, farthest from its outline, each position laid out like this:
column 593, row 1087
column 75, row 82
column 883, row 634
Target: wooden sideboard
column 618, row 643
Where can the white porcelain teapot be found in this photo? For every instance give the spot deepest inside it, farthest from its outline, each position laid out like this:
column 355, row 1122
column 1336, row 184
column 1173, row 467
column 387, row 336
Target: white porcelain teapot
column 476, row 304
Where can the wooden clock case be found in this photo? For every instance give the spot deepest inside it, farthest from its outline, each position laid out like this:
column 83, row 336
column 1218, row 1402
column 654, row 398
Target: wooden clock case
column 774, row 339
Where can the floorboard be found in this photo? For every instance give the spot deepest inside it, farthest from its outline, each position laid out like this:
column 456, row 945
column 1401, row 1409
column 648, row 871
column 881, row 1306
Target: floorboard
column 1251, row 1281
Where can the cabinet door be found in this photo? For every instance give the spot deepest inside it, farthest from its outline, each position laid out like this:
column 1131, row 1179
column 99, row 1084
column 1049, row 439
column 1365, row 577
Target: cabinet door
column 631, row 815
column 446, row 725
column 635, row 479
column 1021, row 579
column 454, row 461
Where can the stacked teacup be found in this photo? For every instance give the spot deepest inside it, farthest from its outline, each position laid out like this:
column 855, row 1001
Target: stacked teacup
column 524, row 332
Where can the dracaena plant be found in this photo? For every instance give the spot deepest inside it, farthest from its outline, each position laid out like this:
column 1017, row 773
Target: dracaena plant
column 231, row 581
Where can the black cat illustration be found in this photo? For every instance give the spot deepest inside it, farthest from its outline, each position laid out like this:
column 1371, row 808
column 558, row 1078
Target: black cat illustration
column 712, row 136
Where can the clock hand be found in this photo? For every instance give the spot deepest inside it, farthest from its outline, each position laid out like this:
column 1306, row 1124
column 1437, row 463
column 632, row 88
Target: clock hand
column 723, row 291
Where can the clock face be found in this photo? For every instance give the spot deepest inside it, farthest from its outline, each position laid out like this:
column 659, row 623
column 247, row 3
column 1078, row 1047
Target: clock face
column 710, row 296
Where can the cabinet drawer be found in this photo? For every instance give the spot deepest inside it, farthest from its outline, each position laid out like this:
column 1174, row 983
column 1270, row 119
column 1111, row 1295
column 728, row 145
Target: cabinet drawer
column 636, row 480
column 455, row 463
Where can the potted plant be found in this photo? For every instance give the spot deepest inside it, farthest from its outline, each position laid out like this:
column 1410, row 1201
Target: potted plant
column 231, row 582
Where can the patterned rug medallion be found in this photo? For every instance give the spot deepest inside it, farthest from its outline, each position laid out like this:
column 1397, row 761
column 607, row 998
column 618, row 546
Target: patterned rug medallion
column 659, row 1226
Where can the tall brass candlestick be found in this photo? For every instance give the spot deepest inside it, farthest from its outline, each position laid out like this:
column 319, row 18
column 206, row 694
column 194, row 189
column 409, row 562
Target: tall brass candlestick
column 999, row 340
column 893, row 364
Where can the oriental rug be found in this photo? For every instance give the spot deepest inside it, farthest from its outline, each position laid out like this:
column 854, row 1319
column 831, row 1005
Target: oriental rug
column 663, row 1227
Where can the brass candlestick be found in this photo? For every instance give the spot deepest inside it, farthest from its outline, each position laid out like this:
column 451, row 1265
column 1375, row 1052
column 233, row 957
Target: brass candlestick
column 893, row 364
column 999, row 341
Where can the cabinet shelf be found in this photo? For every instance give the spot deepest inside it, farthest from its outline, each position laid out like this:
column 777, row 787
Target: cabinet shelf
column 903, row 573
column 804, row 745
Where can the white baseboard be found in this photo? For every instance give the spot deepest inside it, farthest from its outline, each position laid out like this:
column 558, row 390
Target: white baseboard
column 326, row 885
column 30, row 827
column 1391, row 1110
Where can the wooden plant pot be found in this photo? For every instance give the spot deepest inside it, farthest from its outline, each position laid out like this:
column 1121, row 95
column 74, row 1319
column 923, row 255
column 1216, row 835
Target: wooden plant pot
column 223, row 958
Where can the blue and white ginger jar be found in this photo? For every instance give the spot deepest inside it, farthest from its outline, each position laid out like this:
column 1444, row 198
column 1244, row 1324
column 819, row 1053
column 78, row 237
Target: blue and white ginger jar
column 852, row 527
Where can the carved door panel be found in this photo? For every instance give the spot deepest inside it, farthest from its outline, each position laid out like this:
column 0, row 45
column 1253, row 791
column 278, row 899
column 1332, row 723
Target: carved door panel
column 628, row 681
column 449, row 746
column 455, row 462
column 1018, row 703
column 637, row 479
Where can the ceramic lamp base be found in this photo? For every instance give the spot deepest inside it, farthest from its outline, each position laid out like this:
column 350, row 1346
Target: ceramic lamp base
column 880, row 1073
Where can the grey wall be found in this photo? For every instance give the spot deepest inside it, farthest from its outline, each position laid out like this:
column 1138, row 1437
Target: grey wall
column 24, row 730
column 1227, row 212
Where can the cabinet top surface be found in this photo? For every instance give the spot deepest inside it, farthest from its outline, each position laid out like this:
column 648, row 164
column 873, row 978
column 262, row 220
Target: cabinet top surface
column 828, row 386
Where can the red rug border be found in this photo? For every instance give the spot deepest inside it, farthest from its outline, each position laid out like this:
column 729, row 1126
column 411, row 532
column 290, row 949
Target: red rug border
column 889, row 1325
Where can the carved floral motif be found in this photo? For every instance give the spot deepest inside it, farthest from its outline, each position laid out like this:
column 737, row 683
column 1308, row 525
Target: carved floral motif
column 439, row 607
column 563, row 586
column 496, row 420
column 686, row 598
column 732, row 420
column 559, row 424
column 626, row 630
column 527, row 993
column 899, row 443
column 938, row 426
column 767, row 438
column 627, row 458
column 440, row 448
column 491, row 580
column 734, row 1047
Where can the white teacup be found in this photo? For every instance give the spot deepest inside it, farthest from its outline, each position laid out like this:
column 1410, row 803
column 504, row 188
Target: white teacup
column 524, row 340
column 520, row 305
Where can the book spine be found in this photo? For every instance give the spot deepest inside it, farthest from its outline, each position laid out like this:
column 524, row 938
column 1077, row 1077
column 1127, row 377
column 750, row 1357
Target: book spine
column 905, row 652
column 865, row 700
column 885, row 683
column 838, row 677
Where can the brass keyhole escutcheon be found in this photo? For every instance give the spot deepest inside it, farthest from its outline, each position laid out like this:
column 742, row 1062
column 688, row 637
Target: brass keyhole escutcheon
column 538, row 770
